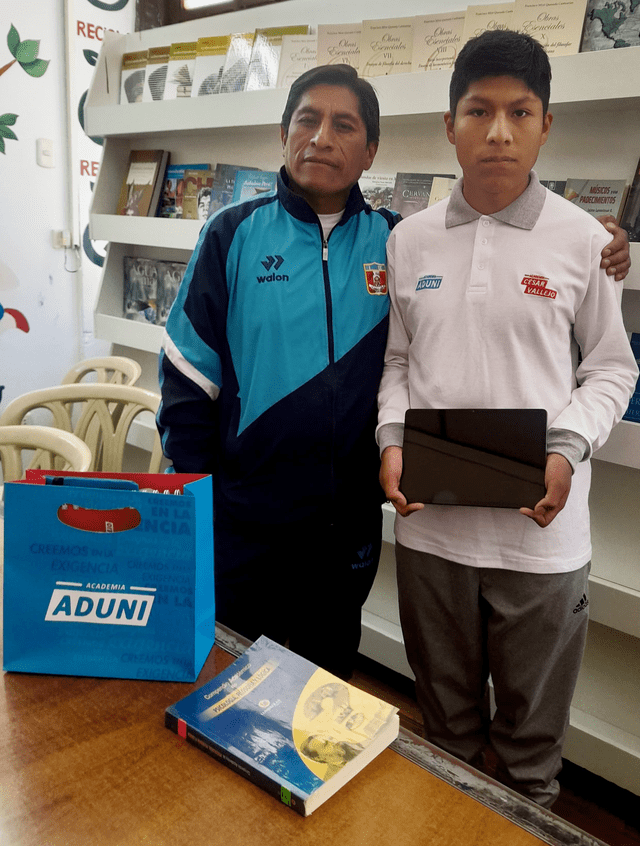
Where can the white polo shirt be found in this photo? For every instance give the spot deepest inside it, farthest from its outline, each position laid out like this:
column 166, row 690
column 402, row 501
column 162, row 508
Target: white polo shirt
column 492, row 311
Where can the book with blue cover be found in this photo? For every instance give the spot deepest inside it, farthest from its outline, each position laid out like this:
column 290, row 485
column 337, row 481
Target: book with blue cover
column 250, row 183
column 633, row 411
column 292, row 728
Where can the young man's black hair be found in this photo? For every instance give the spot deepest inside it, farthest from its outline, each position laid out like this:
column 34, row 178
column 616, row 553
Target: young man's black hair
column 501, row 53
column 345, row 76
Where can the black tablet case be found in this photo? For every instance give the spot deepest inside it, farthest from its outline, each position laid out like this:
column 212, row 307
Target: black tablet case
column 480, row 457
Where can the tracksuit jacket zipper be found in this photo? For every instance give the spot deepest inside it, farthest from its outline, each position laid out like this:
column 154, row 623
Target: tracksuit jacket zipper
column 331, row 345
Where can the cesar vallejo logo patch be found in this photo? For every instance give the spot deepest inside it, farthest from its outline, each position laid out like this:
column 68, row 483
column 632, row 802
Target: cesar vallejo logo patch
column 375, row 275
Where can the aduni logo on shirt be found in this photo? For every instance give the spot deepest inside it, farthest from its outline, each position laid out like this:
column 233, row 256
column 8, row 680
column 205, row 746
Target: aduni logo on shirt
column 429, row 283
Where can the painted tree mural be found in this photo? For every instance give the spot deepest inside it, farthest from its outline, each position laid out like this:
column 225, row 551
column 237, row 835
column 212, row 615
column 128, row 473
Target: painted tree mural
column 25, row 54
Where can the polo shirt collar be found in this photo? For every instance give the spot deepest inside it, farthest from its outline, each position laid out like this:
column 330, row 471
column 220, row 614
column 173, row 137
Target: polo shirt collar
column 523, row 212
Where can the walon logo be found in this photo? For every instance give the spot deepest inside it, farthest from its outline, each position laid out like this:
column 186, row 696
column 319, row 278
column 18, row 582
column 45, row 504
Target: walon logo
column 73, row 602
column 273, row 262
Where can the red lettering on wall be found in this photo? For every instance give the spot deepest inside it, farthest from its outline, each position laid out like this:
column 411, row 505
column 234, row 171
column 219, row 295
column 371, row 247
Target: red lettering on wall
column 89, row 168
column 81, row 28
column 92, row 31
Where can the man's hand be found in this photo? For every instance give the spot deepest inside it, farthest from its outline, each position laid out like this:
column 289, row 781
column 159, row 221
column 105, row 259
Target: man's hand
column 557, row 479
column 615, row 256
column 390, row 472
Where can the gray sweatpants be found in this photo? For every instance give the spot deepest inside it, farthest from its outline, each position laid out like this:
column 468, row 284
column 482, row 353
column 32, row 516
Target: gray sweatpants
column 527, row 630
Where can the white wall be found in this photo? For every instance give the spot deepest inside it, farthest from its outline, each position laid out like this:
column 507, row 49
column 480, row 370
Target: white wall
column 33, row 276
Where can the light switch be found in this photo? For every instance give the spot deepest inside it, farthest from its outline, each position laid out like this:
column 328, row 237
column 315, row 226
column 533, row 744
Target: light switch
column 44, row 152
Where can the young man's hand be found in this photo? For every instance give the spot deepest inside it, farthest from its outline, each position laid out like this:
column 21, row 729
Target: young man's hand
column 390, row 472
column 557, row 479
column 615, row 256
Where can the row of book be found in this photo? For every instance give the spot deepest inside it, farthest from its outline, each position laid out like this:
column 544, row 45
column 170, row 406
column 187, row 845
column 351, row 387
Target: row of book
column 152, row 187
column 276, row 56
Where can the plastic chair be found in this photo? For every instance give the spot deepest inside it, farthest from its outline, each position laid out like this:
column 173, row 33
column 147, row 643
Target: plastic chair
column 110, row 368
column 54, row 449
column 103, row 419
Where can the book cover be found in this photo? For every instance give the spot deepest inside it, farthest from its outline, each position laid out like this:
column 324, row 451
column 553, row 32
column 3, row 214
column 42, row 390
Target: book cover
column 385, row 46
column 441, row 188
column 132, row 76
column 156, row 75
column 139, row 289
column 339, row 44
column 291, row 728
column 377, row 189
column 249, row 183
column 170, row 275
column 298, row 54
column 436, row 41
column 479, row 19
column 236, row 63
column 182, row 59
column 558, row 186
column 223, row 185
column 609, row 25
column 265, row 55
column 197, row 194
column 140, row 190
column 411, row 191
column 630, row 218
column 211, row 53
column 633, row 411
column 597, row 196
column 173, row 188
column 556, row 24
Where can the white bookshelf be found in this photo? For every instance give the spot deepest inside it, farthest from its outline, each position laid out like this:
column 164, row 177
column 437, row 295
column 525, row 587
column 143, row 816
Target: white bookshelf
column 596, row 132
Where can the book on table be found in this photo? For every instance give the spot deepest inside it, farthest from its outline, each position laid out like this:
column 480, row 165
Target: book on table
column 285, row 724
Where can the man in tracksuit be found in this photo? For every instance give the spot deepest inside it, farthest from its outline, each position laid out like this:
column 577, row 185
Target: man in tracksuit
column 269, row 373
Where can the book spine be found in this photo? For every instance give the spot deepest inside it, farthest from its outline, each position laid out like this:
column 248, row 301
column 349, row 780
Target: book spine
column 237, row 764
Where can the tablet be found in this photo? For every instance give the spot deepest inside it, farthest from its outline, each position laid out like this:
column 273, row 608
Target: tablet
column 493, row 457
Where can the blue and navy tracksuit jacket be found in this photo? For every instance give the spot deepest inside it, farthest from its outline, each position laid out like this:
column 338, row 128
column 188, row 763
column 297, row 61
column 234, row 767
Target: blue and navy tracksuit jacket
column 272, row 357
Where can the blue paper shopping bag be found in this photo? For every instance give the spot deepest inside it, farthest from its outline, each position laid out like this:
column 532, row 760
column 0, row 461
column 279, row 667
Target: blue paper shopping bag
column 105, row 581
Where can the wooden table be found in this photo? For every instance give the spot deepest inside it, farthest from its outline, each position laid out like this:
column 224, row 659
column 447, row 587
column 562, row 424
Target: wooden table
column 88, row 761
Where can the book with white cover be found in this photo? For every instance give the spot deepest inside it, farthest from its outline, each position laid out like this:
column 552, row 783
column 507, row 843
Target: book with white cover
column 339, row 44
column 377, row 189
column 385, row 46
column 298, row 54
column 182, row 59
column 479, row 19
column 211, row 53
column 556, row 24
column 436, row 41
column 265, row 56
column 156, row 76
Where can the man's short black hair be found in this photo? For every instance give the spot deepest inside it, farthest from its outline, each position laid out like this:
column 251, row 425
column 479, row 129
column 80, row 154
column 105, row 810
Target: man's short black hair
column 501, row 52
column 345, row 76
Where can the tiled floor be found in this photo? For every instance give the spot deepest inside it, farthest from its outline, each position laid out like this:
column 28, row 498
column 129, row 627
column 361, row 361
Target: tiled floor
column 586, row 801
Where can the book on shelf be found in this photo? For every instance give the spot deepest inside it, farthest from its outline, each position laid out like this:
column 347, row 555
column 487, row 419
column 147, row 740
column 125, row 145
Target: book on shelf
column 630, row 217
column 223, row 185
column 142, row 184
column 633, row 410
column 250, row 183
column 610, row 25
column 132, row 76
column 288, row 726
column 411, row 191
column 479, row 19
column 558, row 186
column 211, row 53
column 386, row 46
column 236, row 63
column 299, row 53
column 597, row 196
column 339, row 44
column 170, row 275
column 441, row 188
column 196, row 196
column 173, row 188
column 265, row 55
column 139, row 289
column 182, row 60
column 556, row 24
column 436, row 41
column 377, row 189
column 156, row 75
